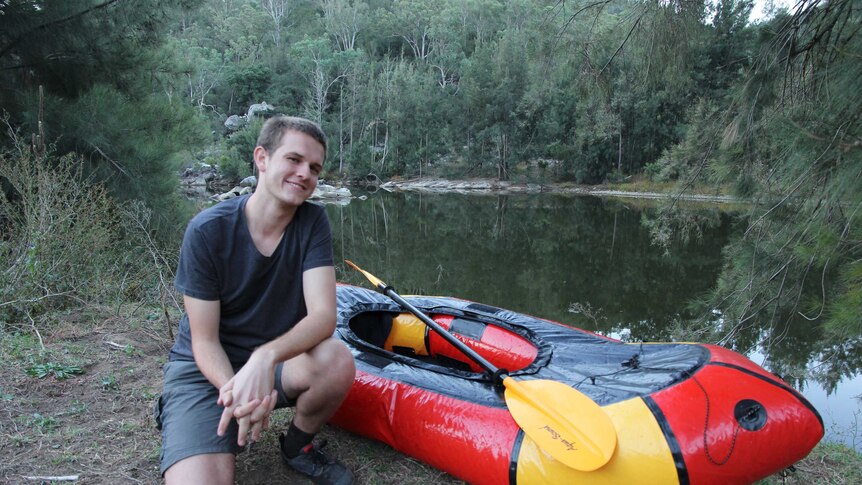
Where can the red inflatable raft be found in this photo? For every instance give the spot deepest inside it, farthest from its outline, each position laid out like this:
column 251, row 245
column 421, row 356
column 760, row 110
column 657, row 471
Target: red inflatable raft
column 683, row 413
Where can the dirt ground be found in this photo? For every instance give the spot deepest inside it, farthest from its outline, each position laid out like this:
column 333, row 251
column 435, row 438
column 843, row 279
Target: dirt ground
column 97, row 424
column 82, row 408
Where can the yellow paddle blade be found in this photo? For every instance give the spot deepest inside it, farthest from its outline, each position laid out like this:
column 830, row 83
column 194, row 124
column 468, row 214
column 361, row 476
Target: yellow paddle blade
column 564, row 422
column 373, row 279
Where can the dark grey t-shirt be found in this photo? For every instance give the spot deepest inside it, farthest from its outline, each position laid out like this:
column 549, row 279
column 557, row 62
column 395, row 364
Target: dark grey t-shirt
column 261, row 297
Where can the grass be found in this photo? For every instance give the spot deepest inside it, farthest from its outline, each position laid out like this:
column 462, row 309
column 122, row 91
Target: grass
column 828, row 463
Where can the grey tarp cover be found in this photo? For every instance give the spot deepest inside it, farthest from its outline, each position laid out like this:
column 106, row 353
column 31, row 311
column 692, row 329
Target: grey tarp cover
column 605, row 370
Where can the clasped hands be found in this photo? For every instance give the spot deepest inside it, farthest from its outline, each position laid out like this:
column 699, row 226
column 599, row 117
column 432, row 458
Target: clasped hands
column 249, row 397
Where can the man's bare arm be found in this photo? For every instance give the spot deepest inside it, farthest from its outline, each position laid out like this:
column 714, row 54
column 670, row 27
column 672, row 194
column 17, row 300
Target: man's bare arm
column 209, row 354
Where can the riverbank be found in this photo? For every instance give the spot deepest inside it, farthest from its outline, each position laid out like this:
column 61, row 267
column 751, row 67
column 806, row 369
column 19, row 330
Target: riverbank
column 81, row 407
column 639, row 189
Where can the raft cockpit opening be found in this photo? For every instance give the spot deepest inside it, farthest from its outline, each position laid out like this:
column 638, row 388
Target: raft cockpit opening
column 405, row 334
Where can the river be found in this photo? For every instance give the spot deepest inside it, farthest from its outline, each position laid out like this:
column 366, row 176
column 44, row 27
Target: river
column 583, row 261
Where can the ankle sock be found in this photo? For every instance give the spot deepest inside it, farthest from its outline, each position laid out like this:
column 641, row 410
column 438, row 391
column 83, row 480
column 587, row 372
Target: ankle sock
column 295, row 440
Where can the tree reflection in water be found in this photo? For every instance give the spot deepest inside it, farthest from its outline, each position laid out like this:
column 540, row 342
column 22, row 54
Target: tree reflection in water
column 547, row 255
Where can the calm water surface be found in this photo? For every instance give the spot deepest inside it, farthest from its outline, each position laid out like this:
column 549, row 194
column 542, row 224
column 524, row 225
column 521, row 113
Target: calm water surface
column 582, row 261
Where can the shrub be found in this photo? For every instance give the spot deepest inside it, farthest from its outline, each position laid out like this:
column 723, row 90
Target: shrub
column 57, row 224
column 65, row 242
column 652, row 171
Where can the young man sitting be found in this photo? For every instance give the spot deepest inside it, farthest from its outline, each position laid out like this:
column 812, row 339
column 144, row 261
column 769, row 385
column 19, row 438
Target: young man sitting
column 258, row 283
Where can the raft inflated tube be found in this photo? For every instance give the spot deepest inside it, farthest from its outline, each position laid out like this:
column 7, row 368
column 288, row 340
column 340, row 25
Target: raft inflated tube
column 407, row 335
column 501, row 347
column 504, row 349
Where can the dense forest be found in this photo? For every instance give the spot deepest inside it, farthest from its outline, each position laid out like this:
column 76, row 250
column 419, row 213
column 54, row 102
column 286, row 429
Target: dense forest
column 577, row 91
column 114, row 97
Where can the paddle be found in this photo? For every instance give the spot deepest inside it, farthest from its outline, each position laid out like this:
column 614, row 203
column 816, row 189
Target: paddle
column 543, row 409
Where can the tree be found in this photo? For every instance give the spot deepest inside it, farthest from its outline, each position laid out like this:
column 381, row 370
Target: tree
column 101, row 68
column 344, row 20
column 790, row 142
column 320, row 69
column 278, row 10
column 412, row 21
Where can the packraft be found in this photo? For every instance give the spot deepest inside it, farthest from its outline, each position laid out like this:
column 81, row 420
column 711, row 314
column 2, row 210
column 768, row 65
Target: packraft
column 683, row 412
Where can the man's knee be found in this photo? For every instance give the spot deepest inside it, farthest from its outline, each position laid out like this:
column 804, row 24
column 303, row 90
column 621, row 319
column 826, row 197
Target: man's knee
column 337, row 361
column 214, row 468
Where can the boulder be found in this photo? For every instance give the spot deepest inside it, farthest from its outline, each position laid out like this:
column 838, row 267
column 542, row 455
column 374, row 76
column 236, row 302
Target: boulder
column 250, row 181
column 234, row 122
column 230, row 194
column 324, row 191
column 258, row 108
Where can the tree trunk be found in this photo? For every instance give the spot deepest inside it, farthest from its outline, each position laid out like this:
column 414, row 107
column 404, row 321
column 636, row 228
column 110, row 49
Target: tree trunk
column 620, row 152
column 503, row 164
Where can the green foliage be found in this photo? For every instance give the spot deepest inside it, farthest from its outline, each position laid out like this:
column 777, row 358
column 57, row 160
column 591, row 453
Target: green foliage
column 844, row 312
column 653, row 171
column 113, row 133
column 48, row 255
column 57, row 370
column 249, row 83
column 238, row 162
column 92, row 78
column 807, row 172
column 43, row 423
column 67, row 47
column 790, row 143
column 689, row 158
column 109, row 383
column 475, row 88
column 66, row 242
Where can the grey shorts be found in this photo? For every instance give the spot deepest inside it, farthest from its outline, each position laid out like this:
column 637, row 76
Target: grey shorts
column 187, row 413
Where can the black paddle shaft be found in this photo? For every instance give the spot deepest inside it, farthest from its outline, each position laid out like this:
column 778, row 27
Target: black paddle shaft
column 390, row 292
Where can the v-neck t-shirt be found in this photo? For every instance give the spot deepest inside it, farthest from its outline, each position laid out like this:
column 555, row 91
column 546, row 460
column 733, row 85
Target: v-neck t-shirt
column 260, row 296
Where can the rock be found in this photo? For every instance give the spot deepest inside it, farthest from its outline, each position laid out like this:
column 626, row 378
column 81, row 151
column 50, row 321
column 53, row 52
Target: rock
column 234, row 122
column 324, row 191
column 259, row 108
column 250, row 181
column 230, row 194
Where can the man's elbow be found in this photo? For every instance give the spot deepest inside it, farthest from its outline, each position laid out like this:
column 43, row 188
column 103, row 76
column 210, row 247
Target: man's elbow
column 326, row 320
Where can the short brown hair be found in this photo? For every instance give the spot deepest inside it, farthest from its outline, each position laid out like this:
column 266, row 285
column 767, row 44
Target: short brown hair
column 274, row 128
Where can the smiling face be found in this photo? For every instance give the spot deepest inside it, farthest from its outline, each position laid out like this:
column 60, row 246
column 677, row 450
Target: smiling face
column 289, row 174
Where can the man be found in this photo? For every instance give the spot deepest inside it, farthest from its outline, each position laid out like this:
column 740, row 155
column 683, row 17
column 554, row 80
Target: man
column 258, row 283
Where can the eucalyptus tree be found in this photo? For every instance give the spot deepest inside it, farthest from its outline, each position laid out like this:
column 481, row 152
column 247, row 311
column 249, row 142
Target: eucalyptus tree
column 280, row 12
column 412, row 21
column 344, row 20
column 321, row 69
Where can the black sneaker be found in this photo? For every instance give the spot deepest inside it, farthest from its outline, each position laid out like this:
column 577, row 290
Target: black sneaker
column 314, row 464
